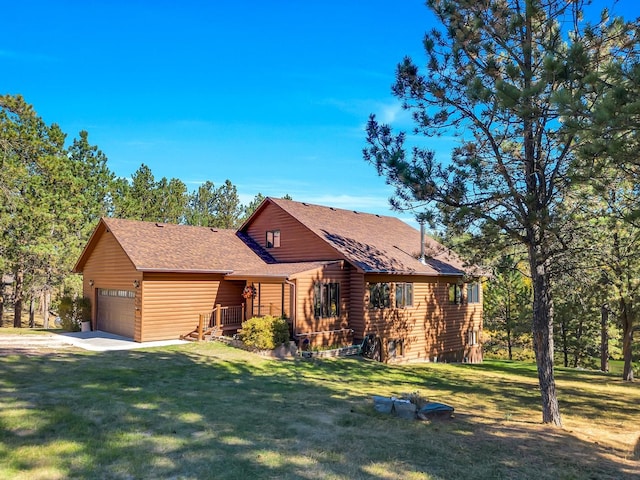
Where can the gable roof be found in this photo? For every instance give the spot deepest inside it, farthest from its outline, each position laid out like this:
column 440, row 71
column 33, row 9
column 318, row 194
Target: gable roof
column 162, row 247
column 373, row 243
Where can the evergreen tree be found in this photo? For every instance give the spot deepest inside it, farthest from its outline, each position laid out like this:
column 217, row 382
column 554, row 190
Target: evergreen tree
column 142, row 201
column 201, row 210
column 145, row 199
column 96, row 182
column 39, row 200
column 172, row 200
column 507, row 303
column 499, row 76
column 252, row 206
column 228, row 208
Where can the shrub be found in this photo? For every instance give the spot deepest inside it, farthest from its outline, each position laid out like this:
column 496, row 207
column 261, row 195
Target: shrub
column 83, row 309
column 73, row 311
column 264, row 333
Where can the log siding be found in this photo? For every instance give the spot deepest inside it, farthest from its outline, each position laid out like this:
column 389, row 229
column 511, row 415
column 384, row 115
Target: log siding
column 172, row 303
column 168, row 303
column 108, row 267
column 297, row 243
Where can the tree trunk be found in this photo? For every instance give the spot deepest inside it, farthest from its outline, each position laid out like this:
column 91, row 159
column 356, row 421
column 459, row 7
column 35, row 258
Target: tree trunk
column 565, row 342
column 1, row 299
column 604, row 338
column 32, row 313
column 17, row 299
column 577, row 351
column 627, row 340
column 543, row 339
column 46, row 303
column 508, row 324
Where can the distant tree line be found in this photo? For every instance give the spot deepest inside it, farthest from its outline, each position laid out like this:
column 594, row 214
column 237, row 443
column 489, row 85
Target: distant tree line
column 53, row 192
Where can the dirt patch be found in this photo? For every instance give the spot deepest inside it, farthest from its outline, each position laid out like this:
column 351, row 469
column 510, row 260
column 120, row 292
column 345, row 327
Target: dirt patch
column 31, row 343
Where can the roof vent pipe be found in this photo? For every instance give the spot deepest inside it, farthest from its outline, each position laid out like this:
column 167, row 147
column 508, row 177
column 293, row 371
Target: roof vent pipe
column 422, row 258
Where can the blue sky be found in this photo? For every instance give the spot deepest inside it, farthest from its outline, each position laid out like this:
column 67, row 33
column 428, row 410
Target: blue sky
column 272, row 95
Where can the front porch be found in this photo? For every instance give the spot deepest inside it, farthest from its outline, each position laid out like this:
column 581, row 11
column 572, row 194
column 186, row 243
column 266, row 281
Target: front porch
column 222, row 320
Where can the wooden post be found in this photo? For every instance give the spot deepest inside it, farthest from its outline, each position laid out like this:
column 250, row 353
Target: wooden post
column 244, row 313
column 200, row 327
column 219, row 318
column 271, row 309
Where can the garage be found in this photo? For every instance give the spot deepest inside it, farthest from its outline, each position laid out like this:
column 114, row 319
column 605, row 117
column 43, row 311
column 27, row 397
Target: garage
column 116, row 311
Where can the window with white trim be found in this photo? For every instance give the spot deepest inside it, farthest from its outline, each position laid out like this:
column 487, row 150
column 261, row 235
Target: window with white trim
column 473, row 292
column 404, row 294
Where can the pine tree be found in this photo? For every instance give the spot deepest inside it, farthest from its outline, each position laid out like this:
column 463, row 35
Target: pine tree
column 499, row 77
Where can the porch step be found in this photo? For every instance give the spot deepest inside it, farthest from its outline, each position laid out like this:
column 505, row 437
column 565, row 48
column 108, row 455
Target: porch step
column 226, row 330
column 193, row 336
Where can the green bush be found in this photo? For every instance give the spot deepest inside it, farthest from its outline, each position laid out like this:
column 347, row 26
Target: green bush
column 73, row 311
column 264, row 333
column 83, row 309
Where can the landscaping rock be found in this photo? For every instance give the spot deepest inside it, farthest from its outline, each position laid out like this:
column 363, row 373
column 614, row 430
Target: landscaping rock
column 404, row 409
column 382, row 404
column 435, row 409
column 400, row 408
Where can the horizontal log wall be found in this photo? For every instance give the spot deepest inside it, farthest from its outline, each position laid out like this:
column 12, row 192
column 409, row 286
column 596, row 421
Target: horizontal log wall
column 306, row 322
column 109, row 267
column 432, row 329
column 297, row 243
column 269, row 300
column 173, row 302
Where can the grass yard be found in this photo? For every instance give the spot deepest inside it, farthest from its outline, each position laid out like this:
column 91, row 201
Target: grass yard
column 203, row 411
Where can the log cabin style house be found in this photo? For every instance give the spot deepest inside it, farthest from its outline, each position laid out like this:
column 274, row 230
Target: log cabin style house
column 336, row 275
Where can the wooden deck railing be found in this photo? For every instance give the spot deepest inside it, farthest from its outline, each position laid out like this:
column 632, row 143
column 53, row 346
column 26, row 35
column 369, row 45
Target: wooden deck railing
column 270, row 309
column 221, row 319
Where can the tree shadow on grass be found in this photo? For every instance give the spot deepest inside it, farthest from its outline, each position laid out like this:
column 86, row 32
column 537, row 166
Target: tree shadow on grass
column 211, row 412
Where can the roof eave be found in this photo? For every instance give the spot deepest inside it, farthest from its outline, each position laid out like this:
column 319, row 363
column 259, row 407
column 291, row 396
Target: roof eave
column 182, row 270
column 256, row 276
column 79, row 266
column 416, row 273
column 254, row 214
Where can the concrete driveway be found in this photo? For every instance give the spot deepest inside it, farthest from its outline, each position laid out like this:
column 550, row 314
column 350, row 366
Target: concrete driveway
column 95, row 341
column 98, row 341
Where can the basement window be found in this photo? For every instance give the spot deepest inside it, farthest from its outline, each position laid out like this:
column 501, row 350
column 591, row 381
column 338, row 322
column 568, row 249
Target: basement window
column 395, row 348
column 273, row 239
column 473, row 337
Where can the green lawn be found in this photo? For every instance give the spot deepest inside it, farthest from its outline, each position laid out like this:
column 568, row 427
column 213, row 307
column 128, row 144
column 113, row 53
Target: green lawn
column 210, row 411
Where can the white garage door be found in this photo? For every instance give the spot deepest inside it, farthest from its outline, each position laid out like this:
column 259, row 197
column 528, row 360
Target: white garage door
column 116, row 311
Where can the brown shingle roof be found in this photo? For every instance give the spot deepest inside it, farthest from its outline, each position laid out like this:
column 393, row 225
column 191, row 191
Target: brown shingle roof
column 279, row 270
column 374, row 243
column 160, row 247
column 180, row 248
